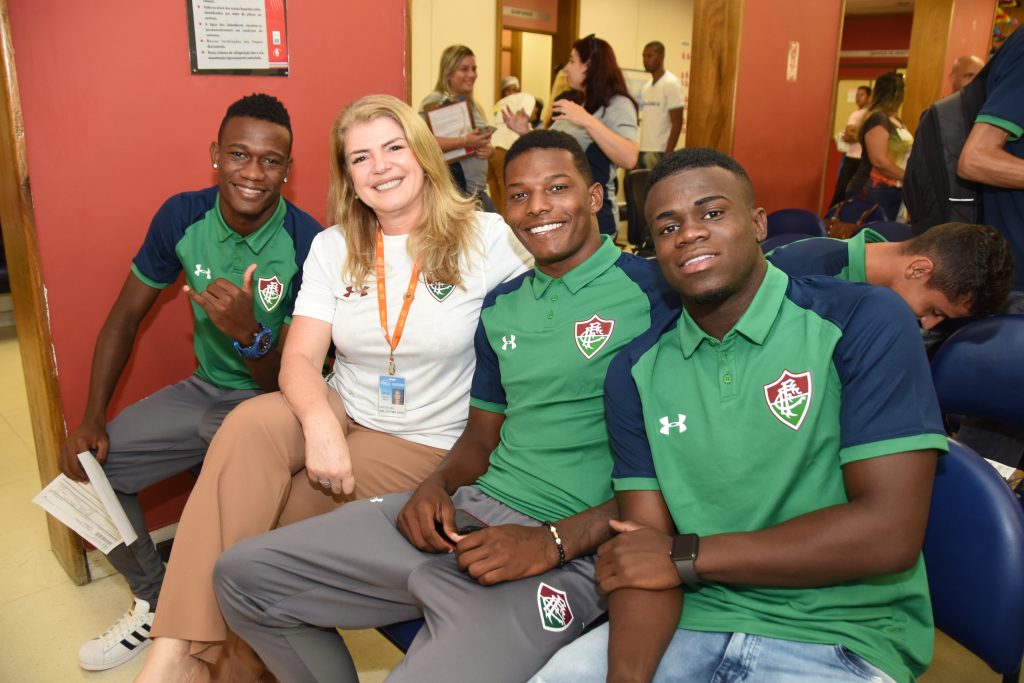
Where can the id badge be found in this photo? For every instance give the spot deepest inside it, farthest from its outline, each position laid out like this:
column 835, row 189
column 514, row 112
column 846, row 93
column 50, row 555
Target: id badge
column 391, row 396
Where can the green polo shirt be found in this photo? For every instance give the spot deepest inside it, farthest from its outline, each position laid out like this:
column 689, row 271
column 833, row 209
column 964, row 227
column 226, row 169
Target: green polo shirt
column 189, row 234
column 543, row 347
column 748, row 432
column 843, row 259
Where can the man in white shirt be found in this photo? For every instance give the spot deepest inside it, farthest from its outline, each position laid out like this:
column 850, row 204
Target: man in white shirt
column 661, row 115
column 849, row 138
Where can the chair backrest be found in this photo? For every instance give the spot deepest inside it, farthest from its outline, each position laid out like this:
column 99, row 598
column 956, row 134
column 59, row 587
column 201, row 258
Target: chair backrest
column 636, row 195
column 974, row 557
column 892, row 231
column 780, row 240
column 852, row 209
column 979, row 370
column 401, row 634
column 795, row 221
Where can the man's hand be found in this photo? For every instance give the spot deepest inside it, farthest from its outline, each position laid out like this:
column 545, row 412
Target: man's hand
column 429, row 505
column 229, row 308
column 506, row 552
column 88, row 437
column 639, row 557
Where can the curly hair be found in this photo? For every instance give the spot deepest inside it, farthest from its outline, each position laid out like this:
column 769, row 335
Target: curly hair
column 698, row 157
column 551, row 139
column 258, row 106
column 446, row 233
column 972, row 263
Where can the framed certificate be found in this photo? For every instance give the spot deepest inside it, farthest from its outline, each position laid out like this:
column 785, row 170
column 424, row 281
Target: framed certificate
column 451, row 121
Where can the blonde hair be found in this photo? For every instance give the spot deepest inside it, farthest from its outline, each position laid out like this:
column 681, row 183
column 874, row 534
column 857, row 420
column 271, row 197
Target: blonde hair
column 450, row 60
column 446, row 233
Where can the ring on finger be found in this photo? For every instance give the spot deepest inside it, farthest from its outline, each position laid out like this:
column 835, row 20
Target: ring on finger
column 325, row 483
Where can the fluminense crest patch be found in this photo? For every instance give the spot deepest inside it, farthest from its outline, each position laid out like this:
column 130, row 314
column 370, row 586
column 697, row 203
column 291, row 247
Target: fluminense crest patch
column 439, row 290
column 592, row 335
column 555, row 614
column 789, row 398
column 271, row 292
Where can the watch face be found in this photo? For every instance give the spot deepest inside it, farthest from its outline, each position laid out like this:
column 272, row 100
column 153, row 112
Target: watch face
column 264, row 343
column 684, row 547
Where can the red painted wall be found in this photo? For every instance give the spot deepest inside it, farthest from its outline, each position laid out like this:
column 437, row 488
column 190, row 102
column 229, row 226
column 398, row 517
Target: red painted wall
column 782, row 127
column 115, row 123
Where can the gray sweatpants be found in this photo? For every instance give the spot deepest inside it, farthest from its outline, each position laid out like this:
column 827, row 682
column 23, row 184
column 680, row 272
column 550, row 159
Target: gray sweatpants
column 162, row 435
column 285, row 591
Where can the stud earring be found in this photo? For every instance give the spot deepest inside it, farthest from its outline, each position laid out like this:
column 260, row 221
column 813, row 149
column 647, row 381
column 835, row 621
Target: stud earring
column 215, row 165
column 286, row 179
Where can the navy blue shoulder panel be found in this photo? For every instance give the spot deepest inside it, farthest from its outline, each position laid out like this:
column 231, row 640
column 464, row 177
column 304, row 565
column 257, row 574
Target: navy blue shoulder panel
column 647, row 275
column 157, row 259
column 505, row 287
column 880, row 358
column 302, row 228
column 812, row 256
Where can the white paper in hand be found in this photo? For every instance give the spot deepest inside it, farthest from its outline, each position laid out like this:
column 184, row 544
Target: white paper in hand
column 90, row 509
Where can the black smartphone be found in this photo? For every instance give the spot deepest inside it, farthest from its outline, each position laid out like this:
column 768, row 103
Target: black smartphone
column 465, row 523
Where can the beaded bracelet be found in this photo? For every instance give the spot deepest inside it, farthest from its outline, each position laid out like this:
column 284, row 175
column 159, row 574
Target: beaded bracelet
column 558, row 543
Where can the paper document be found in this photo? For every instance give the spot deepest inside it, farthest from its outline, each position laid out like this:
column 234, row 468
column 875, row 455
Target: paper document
column 90, row 509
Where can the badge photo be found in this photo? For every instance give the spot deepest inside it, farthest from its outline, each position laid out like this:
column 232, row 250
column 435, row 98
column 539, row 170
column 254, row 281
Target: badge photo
column 391, row 396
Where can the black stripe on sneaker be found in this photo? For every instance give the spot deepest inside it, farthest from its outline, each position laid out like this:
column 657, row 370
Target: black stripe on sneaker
column 129, row 645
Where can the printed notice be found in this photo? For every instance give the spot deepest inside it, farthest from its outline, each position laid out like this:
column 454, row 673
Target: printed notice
column 238, row 37
column 91, row 509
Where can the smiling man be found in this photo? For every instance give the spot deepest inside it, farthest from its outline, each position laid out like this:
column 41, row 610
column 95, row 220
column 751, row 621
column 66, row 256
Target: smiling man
column 241, row 247
column 533, row 465
column 775, row 446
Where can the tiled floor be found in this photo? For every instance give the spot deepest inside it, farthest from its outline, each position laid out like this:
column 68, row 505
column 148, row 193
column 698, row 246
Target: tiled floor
column 44, row 618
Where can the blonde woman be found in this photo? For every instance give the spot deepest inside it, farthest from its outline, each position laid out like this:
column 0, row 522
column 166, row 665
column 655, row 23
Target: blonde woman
column 408, row 254
column 456, row 77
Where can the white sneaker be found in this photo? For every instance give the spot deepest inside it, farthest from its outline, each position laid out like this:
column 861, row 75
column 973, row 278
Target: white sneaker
column 126, row 638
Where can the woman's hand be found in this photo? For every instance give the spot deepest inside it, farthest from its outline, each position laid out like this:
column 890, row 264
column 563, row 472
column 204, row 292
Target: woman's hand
column 567, row 110
column 484, row 152
column 328, row 463
column 518, row 121
column 476, row 139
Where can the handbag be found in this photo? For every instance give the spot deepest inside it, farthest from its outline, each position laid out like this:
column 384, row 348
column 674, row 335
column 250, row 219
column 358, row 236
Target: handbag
column 840, row 229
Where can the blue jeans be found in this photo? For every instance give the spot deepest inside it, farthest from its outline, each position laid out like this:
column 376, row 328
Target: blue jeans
column 699, row 657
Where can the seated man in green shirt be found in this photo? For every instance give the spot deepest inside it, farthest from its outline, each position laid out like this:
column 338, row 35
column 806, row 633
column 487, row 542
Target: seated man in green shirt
column 953, row 270
column 775, row 446
column 241, row 247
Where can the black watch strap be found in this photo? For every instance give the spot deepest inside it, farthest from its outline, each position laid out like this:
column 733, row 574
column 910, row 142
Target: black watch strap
column 684, row 554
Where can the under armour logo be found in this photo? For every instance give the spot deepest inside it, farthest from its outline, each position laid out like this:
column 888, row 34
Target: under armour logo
column 508, row 342
column 202, row 271
column 667, row 426
column 349, row 291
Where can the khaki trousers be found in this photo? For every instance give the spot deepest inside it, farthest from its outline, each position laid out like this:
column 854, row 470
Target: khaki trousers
column 254, row 480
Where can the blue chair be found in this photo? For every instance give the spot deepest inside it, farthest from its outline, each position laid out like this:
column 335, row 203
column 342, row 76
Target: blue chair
column 974, row 556
column 799, row 221
column 979, row 370
column 780, row 240
column 401, row 634
column 892, row 231
column 853, row 210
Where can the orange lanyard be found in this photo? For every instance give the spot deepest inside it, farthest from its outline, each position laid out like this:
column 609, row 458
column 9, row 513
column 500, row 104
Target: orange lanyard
column 382, row 301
